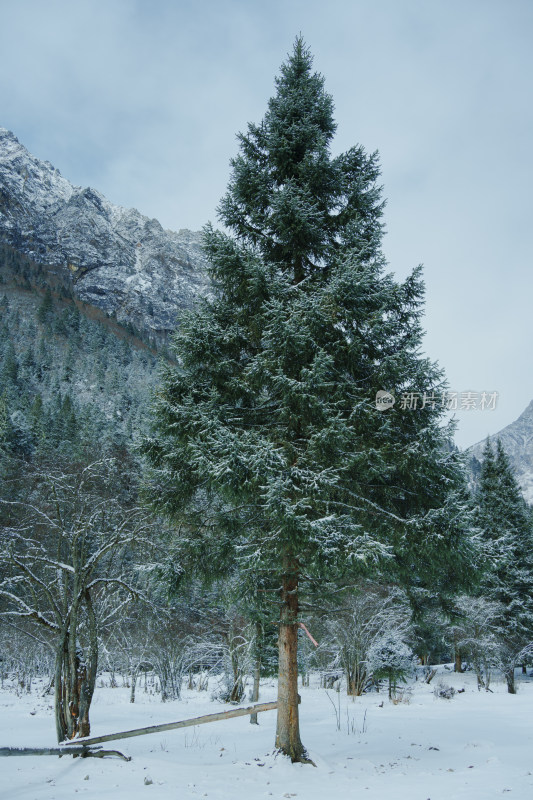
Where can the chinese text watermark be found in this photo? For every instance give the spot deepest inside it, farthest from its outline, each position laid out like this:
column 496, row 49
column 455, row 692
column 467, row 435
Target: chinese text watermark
column 450, row 401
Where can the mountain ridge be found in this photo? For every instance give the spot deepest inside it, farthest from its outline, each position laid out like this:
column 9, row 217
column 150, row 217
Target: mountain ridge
column 114, row 258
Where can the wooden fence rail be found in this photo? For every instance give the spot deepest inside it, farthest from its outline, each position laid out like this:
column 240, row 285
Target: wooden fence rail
column 169, row 726
column 78, row 750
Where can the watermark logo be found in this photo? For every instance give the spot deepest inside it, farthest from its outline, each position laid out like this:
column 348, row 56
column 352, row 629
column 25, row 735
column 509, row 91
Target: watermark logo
column 384, row 400
column 450, row 401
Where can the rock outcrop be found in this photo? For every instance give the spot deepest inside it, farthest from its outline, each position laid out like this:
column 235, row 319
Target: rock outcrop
column 112, row 257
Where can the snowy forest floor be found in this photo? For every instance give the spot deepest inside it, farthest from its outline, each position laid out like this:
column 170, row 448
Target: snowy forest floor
column 477, row 745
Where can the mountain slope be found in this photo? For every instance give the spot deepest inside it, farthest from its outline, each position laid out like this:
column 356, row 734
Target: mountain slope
column 517, row 441
column 68, row 379
column 111, row 257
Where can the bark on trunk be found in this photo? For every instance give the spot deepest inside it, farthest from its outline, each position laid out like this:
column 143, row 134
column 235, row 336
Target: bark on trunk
column 71, row 668
column 60, row 699
column 257, row 669
column 509, row 677
column 288, row 739
column 75, row 677
column 134, row 675
column 88, row 673
column 457, row 654
column 237, row 690
column 356, row 680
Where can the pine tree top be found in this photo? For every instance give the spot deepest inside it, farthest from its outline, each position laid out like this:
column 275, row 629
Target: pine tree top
column 288, row 199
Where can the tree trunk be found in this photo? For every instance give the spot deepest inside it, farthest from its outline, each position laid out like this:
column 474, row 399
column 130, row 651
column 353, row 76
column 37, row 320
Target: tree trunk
column 75, row 676
column 509, row 677
column 88, row 672
column 133, row 675
column 288, row 727
column 457, row 654
column 59, row 688
column 237, row 690
column 356, row 680
column 72, row 670
column 257, row 669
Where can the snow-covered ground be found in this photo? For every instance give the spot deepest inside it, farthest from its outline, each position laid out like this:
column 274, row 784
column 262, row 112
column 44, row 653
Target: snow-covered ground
column 477, row 745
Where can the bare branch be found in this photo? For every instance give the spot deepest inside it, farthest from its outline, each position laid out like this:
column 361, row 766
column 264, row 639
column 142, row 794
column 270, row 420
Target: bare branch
column 29, row 613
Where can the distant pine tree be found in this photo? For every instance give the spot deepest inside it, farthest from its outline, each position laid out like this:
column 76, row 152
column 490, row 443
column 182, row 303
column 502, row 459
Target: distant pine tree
column 36, row 418
column 505, row 522
column 45, row 310
column 10, row 368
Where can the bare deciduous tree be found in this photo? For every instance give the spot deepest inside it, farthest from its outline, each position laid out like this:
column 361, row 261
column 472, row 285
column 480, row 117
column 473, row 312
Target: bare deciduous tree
column 63, row 551
column 363, row 619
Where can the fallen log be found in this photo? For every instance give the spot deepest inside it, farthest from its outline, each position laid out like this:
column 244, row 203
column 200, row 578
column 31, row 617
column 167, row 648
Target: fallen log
column 169, row 726
column 83, row 751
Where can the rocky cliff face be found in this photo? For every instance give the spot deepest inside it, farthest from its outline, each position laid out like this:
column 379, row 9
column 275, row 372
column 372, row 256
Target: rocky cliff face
column 112, row 257
column 517, row 441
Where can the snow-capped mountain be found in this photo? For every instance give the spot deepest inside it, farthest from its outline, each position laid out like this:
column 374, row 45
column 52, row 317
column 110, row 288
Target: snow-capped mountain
column 517, row 441
column 112, row 257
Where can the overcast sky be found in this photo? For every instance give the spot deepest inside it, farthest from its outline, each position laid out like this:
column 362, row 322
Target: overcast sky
column 142, row 99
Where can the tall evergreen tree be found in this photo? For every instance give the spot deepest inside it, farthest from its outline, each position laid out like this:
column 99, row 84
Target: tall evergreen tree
column 267, row 438
column 10, row 370
column 505, row 523
column 46, row 308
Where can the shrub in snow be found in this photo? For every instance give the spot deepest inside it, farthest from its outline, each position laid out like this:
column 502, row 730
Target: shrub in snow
column 389, row 657
column 444, row 691
column 475, row 635
column 362, row 620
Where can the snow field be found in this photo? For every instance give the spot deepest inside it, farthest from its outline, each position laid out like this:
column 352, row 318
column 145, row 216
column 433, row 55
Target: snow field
column 477, row 745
